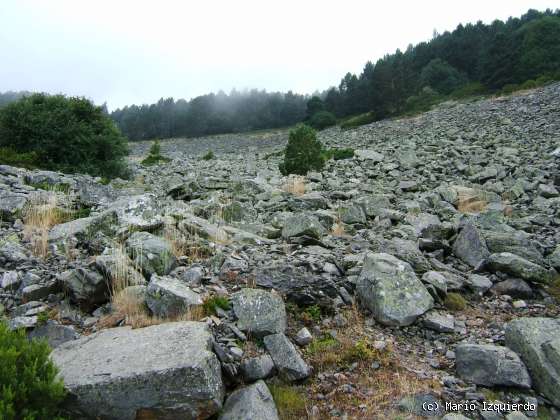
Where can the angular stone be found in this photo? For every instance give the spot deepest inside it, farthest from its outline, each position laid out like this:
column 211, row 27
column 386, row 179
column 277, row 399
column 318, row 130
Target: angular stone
column 161, row 371
column 302, row 224
column 168, row 297
column 439, row 322
column 491, row 365
column 153, row 254
column 22, row 322
column 116, row 267
column 86, row 287
column 259, row 312
column 368, row 154
column 303, row 337
column 11, row 205
column 470, row 246
column 516, row 288
column 287, row 360
column 11, row 280
column 255, row 368
column 352, row 214
column 83, row 229
column 253, row 402
column 54, row 333
column 528, row 338
column 479, row 284
column 516, row 242
column 390, row 289
column 520, row 267
column 407, row 251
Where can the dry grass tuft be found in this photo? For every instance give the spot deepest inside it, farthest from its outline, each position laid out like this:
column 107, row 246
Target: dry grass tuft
column 338, row 229
column 44, row 210
column 295, row 185
column 470, row 205
column 179, row 243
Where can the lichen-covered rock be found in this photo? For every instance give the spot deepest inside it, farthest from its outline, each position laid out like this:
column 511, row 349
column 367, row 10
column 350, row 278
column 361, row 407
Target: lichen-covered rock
column 390, row 289
column 162, row 371
column 85, row 287
column 302, row 224
column 154, row 255
column 259, row 312
column 491, row 365
column 253, row 402
column 168, row 297
column 288, row 361
column 533, row 340
column 470, row 246
column 520, row 267
column 84, row 229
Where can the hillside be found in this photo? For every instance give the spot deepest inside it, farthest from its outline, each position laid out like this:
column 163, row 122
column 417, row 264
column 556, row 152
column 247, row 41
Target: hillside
column 422, row 270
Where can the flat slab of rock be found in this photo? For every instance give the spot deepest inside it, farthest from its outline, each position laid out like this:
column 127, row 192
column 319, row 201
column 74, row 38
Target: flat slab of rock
column 531, row 339
column 253, row 402
column 303, row 224
column 287, row 360
column 390, row 289
column 517, row 266
column 439, row 322
column 491, row 365
column 55, row 333
column 470, row 246
column 259, row 312
column 168, row 297
column 162, row 371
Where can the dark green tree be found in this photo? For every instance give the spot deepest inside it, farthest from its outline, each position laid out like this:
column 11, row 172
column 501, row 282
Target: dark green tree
column 441, row 76
column 67, row 134
column 303, row 152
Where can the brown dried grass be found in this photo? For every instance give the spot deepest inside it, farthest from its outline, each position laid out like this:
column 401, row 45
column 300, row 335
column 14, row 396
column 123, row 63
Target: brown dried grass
column 295, row 184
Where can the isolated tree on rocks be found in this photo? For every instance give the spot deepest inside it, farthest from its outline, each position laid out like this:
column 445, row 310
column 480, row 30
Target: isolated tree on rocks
column 303, row 152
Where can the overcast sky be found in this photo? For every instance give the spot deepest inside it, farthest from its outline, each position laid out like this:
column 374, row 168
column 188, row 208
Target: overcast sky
column 133, row 51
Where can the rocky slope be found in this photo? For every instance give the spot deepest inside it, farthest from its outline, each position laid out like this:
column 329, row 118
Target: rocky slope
column 423, row 270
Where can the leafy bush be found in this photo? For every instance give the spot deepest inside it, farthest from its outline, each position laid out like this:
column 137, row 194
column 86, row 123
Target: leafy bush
column 441, row 76
column 322, row 120
column 30, row 389
column 66, row 134
column 468, row 90
column 303, row 152
column 155, row 156
column 209, row 155
column 338, row 154
column 211, row 304
column 9, row 156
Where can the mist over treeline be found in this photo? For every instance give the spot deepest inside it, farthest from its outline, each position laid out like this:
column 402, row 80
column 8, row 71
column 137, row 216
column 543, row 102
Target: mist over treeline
column 472, row 59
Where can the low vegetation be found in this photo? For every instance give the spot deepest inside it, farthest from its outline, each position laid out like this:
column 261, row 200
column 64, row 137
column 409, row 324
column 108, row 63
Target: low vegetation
column 455, row 302
column 208, row 156
column 59, row 133
column 338, row 154
column 30, row 389
column 290, row 401
column 322, row 120
column 154, row 156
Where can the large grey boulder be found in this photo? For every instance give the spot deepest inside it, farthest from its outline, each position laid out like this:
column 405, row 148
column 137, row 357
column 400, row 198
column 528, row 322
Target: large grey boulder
column 163, row 371
column 520, row 267
column 259, row 312
column 534, row 340
column 255, row 368
column 470, row 246
column 83, row 230
column 353, row 214
column 11, row 205
column 151, row 253
column 168, row 297
column 302, row 224
column 253, row 402
column 138, row 212
column 489, row 365
column 390, row 289
column 287, row 360
column 85, row 287
column 516, row 242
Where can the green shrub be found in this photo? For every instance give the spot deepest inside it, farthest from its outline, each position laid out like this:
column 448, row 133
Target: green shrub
column 322, row 120
column 155, row 156
column 29, row 388
column 303, row 152
column 455, row 302
column 338, row 154
column 9, row 156
column 66, row 134
column 214, row 302
column 209, row 155
column 314, row 312
column 359, row 120
column 468, row 90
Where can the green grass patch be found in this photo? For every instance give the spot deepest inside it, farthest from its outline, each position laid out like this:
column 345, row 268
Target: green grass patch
column 358, row 120
column 455, row 302
column 338, row 154
column 290, row 401
column 212, row 303
column 62, row 187
column 209, row 155
column 10, row 157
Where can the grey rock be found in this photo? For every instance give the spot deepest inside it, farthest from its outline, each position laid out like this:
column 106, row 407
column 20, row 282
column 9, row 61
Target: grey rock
column 153, row 254
column 470, row 246
column 287, row 360
column 55, row 333
column 390, row 289
column 161, row 371
column 40, row 291
column 491, row 365
column 83, row 230
column 116, row 267
column 10, row 280
column 438, row 322
column 479, row 284
column 22, row 322
column 454, row 416
column 253, row 402
column 303, row 224
column 528, row 338
column 367, row 154
column 515, row 242
column 168, row 297
column 303, row 337
column 255, row 368
column 352, row 214
column 514, row 287
column 520, row 267
column 259, row 312
column 11, row 205
column 407, row 251
column 85, row 287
